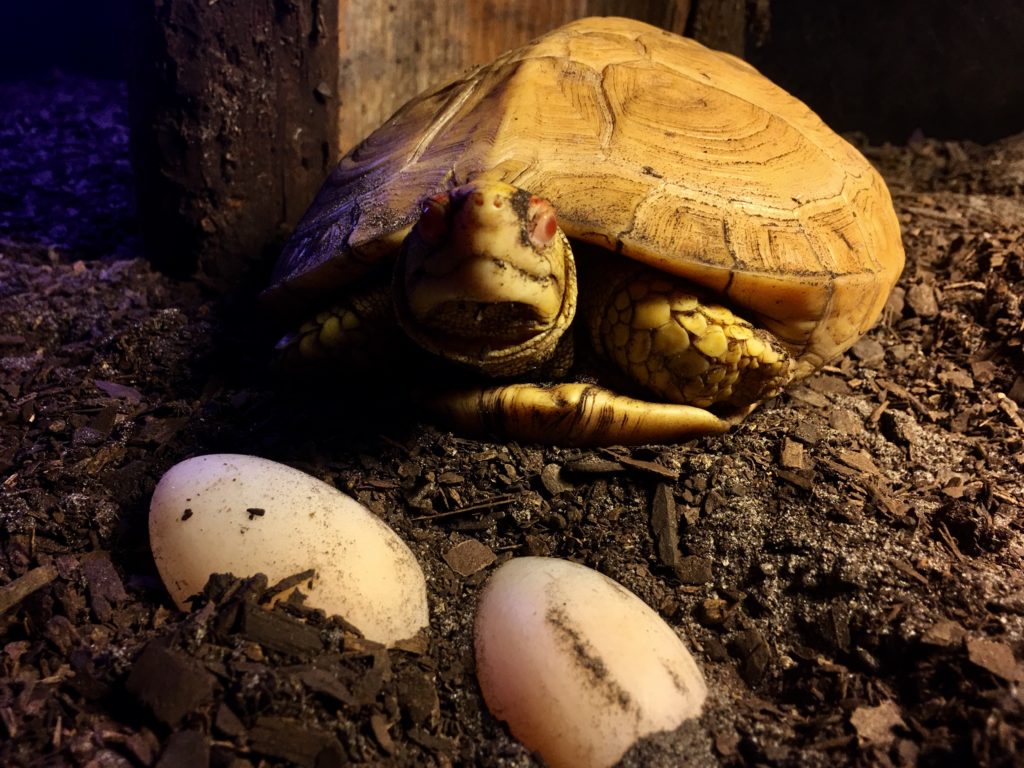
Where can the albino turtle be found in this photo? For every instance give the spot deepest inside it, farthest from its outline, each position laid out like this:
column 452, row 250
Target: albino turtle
column 727, row 241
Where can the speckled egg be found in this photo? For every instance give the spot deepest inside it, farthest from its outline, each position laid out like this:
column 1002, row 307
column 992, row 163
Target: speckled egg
column 230, row 513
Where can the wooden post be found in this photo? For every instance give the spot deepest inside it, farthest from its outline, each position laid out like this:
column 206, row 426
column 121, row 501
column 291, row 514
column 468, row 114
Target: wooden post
column 234, row 125
column 722, row 24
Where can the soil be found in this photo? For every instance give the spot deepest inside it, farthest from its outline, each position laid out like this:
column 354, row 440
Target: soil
column 845, row 565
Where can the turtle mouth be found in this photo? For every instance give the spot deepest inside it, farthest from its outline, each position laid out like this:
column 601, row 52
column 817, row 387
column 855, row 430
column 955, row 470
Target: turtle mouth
column 476, row 324
column 495, row 337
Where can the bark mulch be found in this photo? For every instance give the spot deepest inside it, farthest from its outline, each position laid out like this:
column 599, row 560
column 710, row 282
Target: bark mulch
column 846, row 565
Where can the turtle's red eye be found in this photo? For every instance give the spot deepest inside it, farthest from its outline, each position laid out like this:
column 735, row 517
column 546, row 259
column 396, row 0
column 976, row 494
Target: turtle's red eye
column 433, row 223
column 543, row 222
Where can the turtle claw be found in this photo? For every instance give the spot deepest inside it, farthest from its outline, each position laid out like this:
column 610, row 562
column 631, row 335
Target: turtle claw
column 574, row 414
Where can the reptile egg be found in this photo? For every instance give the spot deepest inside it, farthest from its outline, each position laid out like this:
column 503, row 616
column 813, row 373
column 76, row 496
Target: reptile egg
column 579, row 666
column 229, row 513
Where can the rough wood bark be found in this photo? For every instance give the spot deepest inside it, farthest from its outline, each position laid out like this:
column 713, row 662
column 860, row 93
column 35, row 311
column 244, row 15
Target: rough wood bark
column 233, row 125
column 720, row 24
column 392, row 51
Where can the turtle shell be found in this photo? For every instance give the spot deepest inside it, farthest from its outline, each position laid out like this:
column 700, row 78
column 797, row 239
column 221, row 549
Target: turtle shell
column 649, row 145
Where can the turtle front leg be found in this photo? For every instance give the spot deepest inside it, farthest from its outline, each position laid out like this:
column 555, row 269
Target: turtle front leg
column 359, row 332
column 573, row 414
column 679, row 345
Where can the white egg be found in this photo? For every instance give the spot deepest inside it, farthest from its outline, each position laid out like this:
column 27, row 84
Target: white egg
column 229, row 513
column 578, row 665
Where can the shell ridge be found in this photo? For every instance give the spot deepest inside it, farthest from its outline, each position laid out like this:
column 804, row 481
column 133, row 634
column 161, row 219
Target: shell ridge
column 875, row 262
column 607, row 112
column 730, row 246
column 448, row 112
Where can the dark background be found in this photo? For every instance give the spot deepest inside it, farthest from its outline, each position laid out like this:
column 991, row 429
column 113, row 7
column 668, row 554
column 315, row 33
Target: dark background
column 946, row 68
column 76, row 36
column 943, row 68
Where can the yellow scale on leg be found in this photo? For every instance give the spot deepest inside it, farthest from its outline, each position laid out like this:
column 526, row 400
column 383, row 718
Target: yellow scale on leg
column 346, row 331
column 681, row 349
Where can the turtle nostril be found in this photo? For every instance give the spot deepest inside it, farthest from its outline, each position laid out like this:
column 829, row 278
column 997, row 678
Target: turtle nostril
column 498, row 202
column 478, row 198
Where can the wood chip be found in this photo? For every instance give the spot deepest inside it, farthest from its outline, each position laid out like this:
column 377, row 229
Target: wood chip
column 874, row 725
column 869, row 351
column 957, row 377
column 379, row 726
column 996, row 658
column 665, row 524
column 554, row 483
column 842, row 420
column 921, row 300
column 908, row 570
column 1016, row 392
column 1010, row 408
column 726, row 743
column 807, row 432
column 754, row 654
column 227, row 722
column 594, row 465
column 119, row 391
column 949, row 541
column 643, row 465
column 287, row 583
column 803, row 480
column 469, row 556
column 279, row 631
column 806, row 395
column 417, row 645
column 858, row 460
column 792, row 454
column 325, row 682
column 188, row 747
column 944, row 634
column 487, row 504
column 983, row 371
column 418, row 693
column 292, row 740
column 171, row 684
column 829, row 385
column 916, row 403
column 23, row 586
column 884, row 499
column 103, row 579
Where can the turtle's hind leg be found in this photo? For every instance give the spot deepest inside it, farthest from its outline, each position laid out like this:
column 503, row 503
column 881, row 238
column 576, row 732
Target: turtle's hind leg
column 680, row 345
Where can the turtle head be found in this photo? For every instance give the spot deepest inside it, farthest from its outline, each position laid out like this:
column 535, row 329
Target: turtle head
column 486, row 278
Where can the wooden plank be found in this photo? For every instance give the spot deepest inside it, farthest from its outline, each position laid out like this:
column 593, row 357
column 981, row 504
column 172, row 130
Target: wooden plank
column 390, row 51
